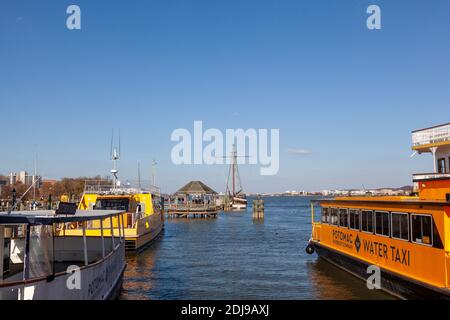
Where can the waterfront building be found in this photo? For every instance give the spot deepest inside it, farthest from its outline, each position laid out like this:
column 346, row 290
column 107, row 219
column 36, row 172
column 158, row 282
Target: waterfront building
column 194, row 199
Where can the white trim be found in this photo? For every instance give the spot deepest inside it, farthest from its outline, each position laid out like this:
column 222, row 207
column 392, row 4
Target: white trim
column 407, row 219
column 432, row 229
column 375, row 224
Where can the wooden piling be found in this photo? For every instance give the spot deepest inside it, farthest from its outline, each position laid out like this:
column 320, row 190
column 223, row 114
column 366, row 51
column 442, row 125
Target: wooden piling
column 258, row 208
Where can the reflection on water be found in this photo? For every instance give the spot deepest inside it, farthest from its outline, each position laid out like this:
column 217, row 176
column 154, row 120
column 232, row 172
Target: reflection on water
column 236, row 257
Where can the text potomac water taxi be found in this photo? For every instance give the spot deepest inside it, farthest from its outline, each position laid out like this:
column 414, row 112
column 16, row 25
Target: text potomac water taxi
column 408, row 238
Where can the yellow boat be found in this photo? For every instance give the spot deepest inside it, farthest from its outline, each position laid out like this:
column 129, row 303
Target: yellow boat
column 143, row 220
column 407, row 239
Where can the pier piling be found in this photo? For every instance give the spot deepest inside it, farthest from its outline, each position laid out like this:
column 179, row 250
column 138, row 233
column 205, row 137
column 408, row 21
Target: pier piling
column 258, row 208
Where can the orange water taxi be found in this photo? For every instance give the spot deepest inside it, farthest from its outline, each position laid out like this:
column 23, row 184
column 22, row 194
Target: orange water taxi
column 406, row 237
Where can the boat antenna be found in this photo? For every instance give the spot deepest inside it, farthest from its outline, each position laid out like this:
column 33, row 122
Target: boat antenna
column 139, row 174
column 35, row 177
column 154, row 163
column 115, row 155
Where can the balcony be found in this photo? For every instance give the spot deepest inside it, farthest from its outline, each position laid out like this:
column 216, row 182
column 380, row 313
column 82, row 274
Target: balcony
column 430, row 176
column 424, row 139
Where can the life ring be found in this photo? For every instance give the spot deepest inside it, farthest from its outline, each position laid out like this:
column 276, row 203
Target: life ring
column 310, row 249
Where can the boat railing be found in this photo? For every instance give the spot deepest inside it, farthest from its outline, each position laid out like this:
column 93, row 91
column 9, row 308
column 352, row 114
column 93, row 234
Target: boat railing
column 57, row 244
column 107, row 187
column 98, row 186
column 431, row 135
column 430, row 176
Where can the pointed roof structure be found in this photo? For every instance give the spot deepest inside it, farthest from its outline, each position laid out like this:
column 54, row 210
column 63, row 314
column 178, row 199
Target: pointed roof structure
column 196, row 187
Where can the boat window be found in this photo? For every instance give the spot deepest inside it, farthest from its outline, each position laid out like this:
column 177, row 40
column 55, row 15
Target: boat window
column 400, row 227
column 422, row 229
column 367, row 221
column 354, row 219
column 41, row 251
column 325, row 216
column 112, row 204
column 13, row 252
column 441, row 165
column 334, row 216
column 343, row 217
column 382, row 223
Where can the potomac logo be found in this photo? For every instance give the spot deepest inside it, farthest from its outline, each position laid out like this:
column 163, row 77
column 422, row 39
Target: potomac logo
column 212, row 146
column 342, row 239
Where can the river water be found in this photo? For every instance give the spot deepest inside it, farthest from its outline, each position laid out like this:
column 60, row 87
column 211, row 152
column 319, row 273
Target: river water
column 234, row 257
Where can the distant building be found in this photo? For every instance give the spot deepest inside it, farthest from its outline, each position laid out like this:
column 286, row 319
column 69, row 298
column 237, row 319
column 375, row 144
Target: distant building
column 25, row 178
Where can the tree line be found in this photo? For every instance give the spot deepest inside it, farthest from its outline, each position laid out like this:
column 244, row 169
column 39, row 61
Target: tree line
column 71, row 187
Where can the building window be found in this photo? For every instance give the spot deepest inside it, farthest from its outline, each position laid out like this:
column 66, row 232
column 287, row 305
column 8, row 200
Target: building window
column 325, row 215
column 422, row 229
column 441, row 165
column 367, row 221
column 354, row 219
column 382, row 223
column 343, row 218
column 400, row 225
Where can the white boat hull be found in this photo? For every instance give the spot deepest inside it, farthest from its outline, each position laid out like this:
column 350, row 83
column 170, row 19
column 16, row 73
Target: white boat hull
column 99, row 281
column 239, row 204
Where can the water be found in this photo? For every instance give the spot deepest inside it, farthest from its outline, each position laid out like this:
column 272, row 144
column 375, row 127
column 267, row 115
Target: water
column 234, row 257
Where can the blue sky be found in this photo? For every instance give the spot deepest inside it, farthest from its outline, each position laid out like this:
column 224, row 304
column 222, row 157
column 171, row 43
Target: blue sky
column 309, row 68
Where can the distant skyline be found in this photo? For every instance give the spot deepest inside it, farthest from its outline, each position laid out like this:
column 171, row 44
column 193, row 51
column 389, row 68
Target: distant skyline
column 344, row 98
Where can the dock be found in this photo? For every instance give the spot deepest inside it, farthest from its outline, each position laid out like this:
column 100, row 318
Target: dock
column 192, row 212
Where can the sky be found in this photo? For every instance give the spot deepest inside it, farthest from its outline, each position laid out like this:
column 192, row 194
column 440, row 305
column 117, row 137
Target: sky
column 345, row 98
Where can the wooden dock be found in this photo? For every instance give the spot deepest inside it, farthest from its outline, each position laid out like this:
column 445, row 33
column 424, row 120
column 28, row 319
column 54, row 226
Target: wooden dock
column 192, row 211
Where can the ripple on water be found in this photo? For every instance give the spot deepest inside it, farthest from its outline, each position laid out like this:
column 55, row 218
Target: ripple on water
column 234, row 257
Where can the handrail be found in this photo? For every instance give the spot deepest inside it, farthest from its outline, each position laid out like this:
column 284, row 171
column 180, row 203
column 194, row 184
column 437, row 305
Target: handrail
column 58, row 274
column 106, row 187
column 115, row 248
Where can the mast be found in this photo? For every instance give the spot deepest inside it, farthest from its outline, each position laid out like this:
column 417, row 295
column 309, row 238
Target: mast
column 234, row 169
column 139, row 174
column 234, row 173
column 35, row 177
column 154, row 163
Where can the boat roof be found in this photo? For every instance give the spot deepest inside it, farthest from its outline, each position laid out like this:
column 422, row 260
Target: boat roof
column 386, row 200
column 50, row 217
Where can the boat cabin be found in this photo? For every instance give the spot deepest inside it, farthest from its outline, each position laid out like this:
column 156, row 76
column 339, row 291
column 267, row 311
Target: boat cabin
column 407, row 237
column 38, row 258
